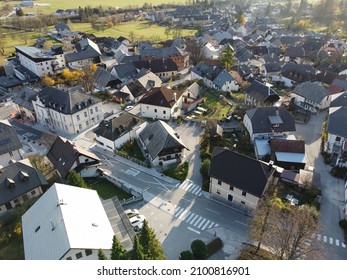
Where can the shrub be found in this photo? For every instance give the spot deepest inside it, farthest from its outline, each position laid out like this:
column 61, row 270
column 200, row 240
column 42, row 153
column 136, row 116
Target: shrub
column 214, row 246
column 339, row 172
column 343, row 224
column 199, row 249
column 186, row 255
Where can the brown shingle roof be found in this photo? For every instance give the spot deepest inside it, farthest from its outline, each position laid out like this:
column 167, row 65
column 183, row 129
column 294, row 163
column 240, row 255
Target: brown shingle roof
column 287, row 146
column 161, row 96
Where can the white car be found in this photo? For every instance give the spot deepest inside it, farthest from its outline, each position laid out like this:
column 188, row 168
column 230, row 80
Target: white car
column 131, row 212
column 128, row 108
column 135, row 220
column 138, row 227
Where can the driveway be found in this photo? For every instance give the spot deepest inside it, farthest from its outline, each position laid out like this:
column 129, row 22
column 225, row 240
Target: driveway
column 332, row 188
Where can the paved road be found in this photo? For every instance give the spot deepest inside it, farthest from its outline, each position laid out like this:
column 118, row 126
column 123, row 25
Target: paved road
column 332, row 188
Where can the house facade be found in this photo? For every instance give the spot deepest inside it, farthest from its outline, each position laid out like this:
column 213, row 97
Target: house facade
column 19, row 182
column 41, row 62
column 161, row 145
column 161, row 103
column 230, row 181
column 71, row 112
column 267, row 122
column 112, row 134
column 259, row 94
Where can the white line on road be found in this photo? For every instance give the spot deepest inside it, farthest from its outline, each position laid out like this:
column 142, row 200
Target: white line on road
column 192, row 221
column 191, row 216
column 161, row 184
column 205, row 225
column 211, row 225
column 201, row 223
column 337, row 242
column 177, row 184
column 325, row 239
column 197, row 221
column 107, row 160
column 194, row 230
column 185, row 215
column 343, row 245
column 196, row 188
column 212, row 211
column 241, row 223
column 179, row 212
column 331, row 240
column 182, row 214
column 319, row 237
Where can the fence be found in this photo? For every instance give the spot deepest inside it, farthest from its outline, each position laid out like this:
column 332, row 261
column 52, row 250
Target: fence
column 140, row 162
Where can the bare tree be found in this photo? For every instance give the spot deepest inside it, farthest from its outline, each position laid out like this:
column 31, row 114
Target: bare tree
column 196, row 51
column 87, row 77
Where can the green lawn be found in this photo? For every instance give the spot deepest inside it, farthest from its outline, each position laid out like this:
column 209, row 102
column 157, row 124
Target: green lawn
column 178, row 172
column 132, row 149
column 54, row 5
column 217, row 108
column 143, row 30
column 106, row 190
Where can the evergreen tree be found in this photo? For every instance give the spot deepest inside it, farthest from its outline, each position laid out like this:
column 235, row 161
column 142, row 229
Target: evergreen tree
column 199, row 249
column 101, row 255
column 227, row 57
column 137, row 252
column 151, row 246
column 75, row 179
column 117, row 251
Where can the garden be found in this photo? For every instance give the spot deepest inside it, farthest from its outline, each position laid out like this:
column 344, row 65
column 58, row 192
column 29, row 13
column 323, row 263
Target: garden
column 106, row 189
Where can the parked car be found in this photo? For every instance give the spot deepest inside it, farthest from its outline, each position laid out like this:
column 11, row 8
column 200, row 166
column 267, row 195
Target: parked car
column 131, row 212
column 128, row 108
column 136, row 219
column 138, row 227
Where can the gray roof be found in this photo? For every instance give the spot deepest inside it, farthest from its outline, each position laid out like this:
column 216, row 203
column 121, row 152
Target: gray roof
column 9, row 140
column 158, row 136
column 64, row 153
column 312, row 91
column 339, row 101
column 9, row 82
column 118, row 126
column 104, row 78
column 222, row 78
column 66, row 102
column 125, row 71
column 34, row 53
column 87, row 53
column 336, row 124
column 235, row 169
column 159, row 53
column 261, row 122
column 21, row 186
column 24, row 97
column 262, row 92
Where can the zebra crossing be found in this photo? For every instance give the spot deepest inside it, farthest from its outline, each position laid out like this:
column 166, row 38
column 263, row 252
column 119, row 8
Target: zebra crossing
column 331, row 241
column 193, row 219
column 189, row 186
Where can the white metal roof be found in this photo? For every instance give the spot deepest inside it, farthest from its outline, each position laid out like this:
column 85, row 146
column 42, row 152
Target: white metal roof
column 290, row 157
column 65, row 217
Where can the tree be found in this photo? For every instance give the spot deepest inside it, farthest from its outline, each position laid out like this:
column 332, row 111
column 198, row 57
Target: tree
column 167, row 32
column 152, row 248
column 199, row 249
column 3, row 43
column 268, row 10
column 47, row 45
column 117, row 251
column 39, row 163
column 137, row 252
column 204, row 167
column 240, row 17
column 186, row 255
column 227, row 57
column 196, row 51
column 101, row 255
column 86, row 77
column 20, row 12
column 75, row 179
column 131, row 36
column 48, row 81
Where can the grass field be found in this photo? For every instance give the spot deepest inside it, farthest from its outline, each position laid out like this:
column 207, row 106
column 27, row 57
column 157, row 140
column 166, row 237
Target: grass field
column 108, row 190
column 50, row 6
column 143, row 30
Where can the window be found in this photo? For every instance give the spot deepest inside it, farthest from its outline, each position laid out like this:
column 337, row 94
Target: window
column 69, row 258
column 219, row 182
column 80, row 126
column 79, row 255
column 85, row 114
column 78, row 117
column 37, row 229
column 64, row 119
column 230, row 197
column 96, row 109
column 11, row 153
column 33, row 192
column 218, row 191
column 91, row 111
column 88, row 252
column 338, row 139
column 87, row 123
column 231, row 188
column 16, row 200
column 155, row 110
column 164, row 112
column 244, row 193
column 242, row 202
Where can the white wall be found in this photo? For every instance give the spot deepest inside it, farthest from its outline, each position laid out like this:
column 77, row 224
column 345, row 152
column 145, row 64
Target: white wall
column 94, row 256
column 5, row 158
column 158, row 112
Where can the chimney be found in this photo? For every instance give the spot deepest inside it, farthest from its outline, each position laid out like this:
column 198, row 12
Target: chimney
column 175, row 96
column 24, row 176
column 53, row 226
column 271, row 163
column 277, row 111
column 10, row 183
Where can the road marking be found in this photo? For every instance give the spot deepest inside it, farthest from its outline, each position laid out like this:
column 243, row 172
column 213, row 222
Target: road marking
column 201, row 223
column 132, row 172
column 187, row 187
column 185, row 215
column 179, row 212
column 331, row 240
column 182, row 214
column 191, row 216
column 162, row 184
column 197, row 221
column 337, row 242
column 107, row 161
column 212, row 211
column 194, row 230
column 241, row 223
column 211, row 225
column 319, row 237
column 205, row 225
column 196, row 188
column 343, row 245
column 194, row 219
column 325, row 239
column 177, row 184
column 216, row 225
